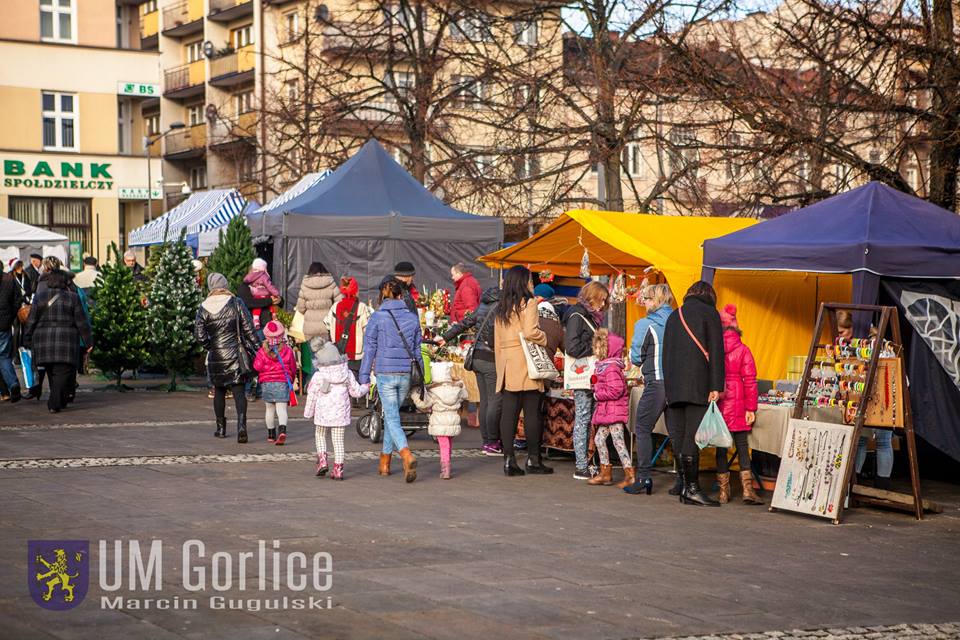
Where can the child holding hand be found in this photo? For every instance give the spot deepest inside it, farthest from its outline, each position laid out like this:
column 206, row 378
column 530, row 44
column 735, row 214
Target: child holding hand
column 443, row 399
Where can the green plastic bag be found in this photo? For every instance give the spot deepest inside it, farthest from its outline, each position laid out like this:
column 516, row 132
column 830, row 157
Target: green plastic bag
column 713, row 431
column 427, row 373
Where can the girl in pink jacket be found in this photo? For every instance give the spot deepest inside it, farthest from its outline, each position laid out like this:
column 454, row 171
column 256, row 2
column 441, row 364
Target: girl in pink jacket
column 276, row 366
column 328, row 402
column 612, row 409
column 738, row 403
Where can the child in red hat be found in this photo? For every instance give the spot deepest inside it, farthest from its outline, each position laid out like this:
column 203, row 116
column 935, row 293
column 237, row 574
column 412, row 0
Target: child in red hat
column 276, row 365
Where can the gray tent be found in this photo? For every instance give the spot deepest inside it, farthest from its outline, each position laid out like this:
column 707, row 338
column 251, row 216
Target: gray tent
column 365, row 217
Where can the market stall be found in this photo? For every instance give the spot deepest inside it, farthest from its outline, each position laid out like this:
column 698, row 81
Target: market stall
column 19, row 240
column 203, row 211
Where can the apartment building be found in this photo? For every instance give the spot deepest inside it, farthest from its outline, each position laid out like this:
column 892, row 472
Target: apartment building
column 74, row 85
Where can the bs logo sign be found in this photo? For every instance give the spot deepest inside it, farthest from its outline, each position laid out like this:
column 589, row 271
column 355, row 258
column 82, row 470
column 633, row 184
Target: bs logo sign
column 58, row 572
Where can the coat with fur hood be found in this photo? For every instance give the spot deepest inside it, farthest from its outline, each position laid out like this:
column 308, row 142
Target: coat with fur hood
column 318, row 294
column 329, row 393
column 443, row 401
column 610, row 386
column 224, row 328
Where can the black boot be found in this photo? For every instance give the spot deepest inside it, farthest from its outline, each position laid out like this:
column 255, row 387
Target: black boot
column 678, row 483
column 535, row 466
column 271, row 435
column 15, row 393
column 242, row 428
column 221, row 431
column 691, row 484
column 510, row 466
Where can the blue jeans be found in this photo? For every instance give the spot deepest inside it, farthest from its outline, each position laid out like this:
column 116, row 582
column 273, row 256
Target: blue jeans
column 583, row 416
column 393, row 390
column 884, row 452
column 6, row 360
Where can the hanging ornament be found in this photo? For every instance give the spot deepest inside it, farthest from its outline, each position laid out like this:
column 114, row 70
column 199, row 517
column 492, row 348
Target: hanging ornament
column 585, row 264
column 618, row 292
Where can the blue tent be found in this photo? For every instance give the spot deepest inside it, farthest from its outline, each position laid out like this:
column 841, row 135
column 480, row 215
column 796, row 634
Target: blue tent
column 365, row 217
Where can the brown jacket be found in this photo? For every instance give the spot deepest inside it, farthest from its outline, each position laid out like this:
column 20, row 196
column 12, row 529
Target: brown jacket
column 511, row 365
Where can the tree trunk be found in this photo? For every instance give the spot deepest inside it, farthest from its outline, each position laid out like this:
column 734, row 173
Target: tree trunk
column 945, row 78
column 611, row 177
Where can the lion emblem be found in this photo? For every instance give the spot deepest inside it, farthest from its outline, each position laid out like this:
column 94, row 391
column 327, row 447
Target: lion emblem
column 57, row 574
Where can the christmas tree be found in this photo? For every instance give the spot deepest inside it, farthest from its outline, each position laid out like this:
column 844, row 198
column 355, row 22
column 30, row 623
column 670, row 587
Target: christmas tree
column 118, row 319
column 174, row 299
column 234, row 254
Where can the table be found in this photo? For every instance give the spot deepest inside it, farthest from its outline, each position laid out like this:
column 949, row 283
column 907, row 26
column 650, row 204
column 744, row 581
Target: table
column 469, row 381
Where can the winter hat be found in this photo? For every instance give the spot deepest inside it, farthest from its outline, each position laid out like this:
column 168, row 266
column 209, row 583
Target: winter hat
column 326, row 355
column 217, row 281
column 404, row 269
column 197, row 266
column 13, row 263
column 259, row 264
column 441, row 372
column 274, row 333
column 544, row 291
column 728, row 316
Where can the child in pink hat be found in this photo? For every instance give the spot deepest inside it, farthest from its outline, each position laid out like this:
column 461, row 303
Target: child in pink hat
column 276, row 365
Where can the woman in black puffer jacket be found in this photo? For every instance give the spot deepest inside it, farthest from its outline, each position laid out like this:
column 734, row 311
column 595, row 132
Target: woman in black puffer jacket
column 224, row 327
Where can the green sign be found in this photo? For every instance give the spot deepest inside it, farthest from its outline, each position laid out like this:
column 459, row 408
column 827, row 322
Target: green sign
column 139, row 193
column 57, row 175
column 139, row 89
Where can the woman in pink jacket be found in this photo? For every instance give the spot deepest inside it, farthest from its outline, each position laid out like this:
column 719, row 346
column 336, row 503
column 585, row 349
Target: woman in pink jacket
column 276, row 367
column 738, row 403
column 612, row 410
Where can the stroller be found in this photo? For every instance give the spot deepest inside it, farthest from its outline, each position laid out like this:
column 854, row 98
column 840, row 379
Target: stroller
column 370, row 425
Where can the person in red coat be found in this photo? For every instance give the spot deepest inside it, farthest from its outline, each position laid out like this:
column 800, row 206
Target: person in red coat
column 466, row 297
column 738, row 404
column 612, row 410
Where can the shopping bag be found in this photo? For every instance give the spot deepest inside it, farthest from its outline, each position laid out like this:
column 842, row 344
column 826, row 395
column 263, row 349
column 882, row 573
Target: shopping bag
column 578, row 371
column 296, row 328
column 26, row 361
column 539, row 363
column 293, row 398
column 713, row 431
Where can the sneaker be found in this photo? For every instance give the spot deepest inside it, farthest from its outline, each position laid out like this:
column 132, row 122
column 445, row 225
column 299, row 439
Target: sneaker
column 582, row 474
column 520, row 445
column 492, row 449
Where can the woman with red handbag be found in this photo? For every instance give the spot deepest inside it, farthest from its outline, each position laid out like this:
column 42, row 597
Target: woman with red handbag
column 276, row 367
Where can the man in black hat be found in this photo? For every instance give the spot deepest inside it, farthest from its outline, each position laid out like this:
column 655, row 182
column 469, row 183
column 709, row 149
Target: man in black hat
column 33, row 270
column 404, row 272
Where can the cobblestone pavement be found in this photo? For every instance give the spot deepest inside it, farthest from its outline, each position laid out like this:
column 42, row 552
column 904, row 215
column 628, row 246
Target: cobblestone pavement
column 477, row 557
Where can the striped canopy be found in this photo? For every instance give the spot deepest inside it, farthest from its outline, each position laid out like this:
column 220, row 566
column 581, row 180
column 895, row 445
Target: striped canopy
column 302, row 185
column 202, row 211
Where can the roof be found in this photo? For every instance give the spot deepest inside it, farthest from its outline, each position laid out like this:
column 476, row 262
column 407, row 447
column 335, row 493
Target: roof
column 303, row 185
column 202, row 211
column 13, row 232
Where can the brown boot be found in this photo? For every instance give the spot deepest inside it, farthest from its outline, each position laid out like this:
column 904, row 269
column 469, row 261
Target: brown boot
column 385, row 464
column 629, row 476
column 409, row 465
column 749, row 493
column 724, row 480
column 605, row 477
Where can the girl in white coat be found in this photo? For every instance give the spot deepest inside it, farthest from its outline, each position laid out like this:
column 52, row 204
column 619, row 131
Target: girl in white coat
column 443, row 399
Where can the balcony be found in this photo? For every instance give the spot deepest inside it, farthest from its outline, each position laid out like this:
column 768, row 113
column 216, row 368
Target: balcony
column 379, row 115
column 149, row 28
column 351, row 38
column 230, row 135
column 186, row 144
column 183, row 19
column 184, row 82
column 227, row 10
column 233, row 69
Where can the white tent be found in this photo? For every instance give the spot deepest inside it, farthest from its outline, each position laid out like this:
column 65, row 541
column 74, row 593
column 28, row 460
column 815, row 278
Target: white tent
column 19, row 240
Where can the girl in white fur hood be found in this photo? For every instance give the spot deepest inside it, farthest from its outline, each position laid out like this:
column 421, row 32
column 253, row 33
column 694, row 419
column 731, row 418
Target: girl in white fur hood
column 443, row 399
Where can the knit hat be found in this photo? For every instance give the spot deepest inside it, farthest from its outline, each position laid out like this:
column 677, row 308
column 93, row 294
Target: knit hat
column 274, row 333
column 728, row 316
column 259, row 264
column 441, row 372
column 217, row 281
column 197, row 266
column 13, row 263
column 325, row 355
column 404, row 269
column 544, row 291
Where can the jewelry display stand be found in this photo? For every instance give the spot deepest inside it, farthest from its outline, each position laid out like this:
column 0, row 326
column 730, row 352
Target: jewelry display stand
column 847, row 375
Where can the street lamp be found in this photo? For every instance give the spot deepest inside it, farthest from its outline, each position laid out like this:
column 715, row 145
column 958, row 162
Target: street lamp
column 148, row 141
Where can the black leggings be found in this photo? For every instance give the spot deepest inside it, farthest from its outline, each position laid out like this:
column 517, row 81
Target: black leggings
column 683, row 420
column 743, row 453
column 512, row 403
column 220, row 400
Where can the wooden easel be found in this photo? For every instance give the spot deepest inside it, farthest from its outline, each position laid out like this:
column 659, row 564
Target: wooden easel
column 889, row 320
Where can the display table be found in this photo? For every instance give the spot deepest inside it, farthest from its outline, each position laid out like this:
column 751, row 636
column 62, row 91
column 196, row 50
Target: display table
column 469, row 381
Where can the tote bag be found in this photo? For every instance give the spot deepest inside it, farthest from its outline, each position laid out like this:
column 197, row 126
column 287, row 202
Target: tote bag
column 296, row 328
column 713, row 431
column 539, row 363
column 578, row 371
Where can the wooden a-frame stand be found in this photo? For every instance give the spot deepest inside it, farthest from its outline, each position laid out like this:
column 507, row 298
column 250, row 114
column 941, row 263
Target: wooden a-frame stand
column 889, row 321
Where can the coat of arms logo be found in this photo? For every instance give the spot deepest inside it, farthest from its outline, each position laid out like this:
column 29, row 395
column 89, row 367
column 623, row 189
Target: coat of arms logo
column 58, row 572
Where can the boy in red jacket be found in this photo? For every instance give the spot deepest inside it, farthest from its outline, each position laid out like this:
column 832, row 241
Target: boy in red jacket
column 612, row 409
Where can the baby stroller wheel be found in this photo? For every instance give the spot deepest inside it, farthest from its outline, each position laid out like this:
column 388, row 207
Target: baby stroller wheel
column 363, row 426
column 376, row 427
column 410, row 432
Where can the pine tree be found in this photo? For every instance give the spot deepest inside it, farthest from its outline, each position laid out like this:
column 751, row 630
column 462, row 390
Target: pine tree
column 234, row 254
column 119, row 320
column 174, row 299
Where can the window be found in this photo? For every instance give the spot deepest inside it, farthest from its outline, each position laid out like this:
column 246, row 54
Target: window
column 246, row 168
column 527, row 166
column 195, row 115
column 402, row 81
column 60, row 121
column 803, row 167
column 485, row 164
column 526, row 32
column 291, row 23
column 244, row 102
column 293, row 91
column 149, row 6
column 198, row 177
column 733, row 150
column 684, row 154
column 472, row 26
column 67, row 216
column 874, row 156
column 242, row 37
column 56, row 20
column 631, row 160
column 195, row 51
column 152, row 124
column 911, row 178
column 469, row 91
column 404, row 17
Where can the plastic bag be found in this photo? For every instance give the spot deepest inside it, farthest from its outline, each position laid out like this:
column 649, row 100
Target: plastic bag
column 713, row 431
column 26, row 361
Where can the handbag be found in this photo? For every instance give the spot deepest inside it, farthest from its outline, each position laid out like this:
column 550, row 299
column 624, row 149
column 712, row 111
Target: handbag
column 293, row 395
column 693, row 337
column 539, row 363
column 468, row 358
column 416, row 373
column 713, row 431
column 578, row 371
column 23, row 313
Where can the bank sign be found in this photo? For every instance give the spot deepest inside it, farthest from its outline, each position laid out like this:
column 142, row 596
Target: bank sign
column 48, row 174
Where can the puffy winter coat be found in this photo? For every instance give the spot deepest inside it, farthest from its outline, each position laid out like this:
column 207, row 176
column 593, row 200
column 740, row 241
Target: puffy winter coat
column 466, row 297
column 579, row 328
column 687, row 376
column 646, row 349
column 383, row 349
column 269, row 369
column 54, row 331
column 610, row 386
column 443, row 401
column 318, row 293
column 484, row 337
column 260, row 284
column 224, row 327
column 740, row 389
column 329, row 393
